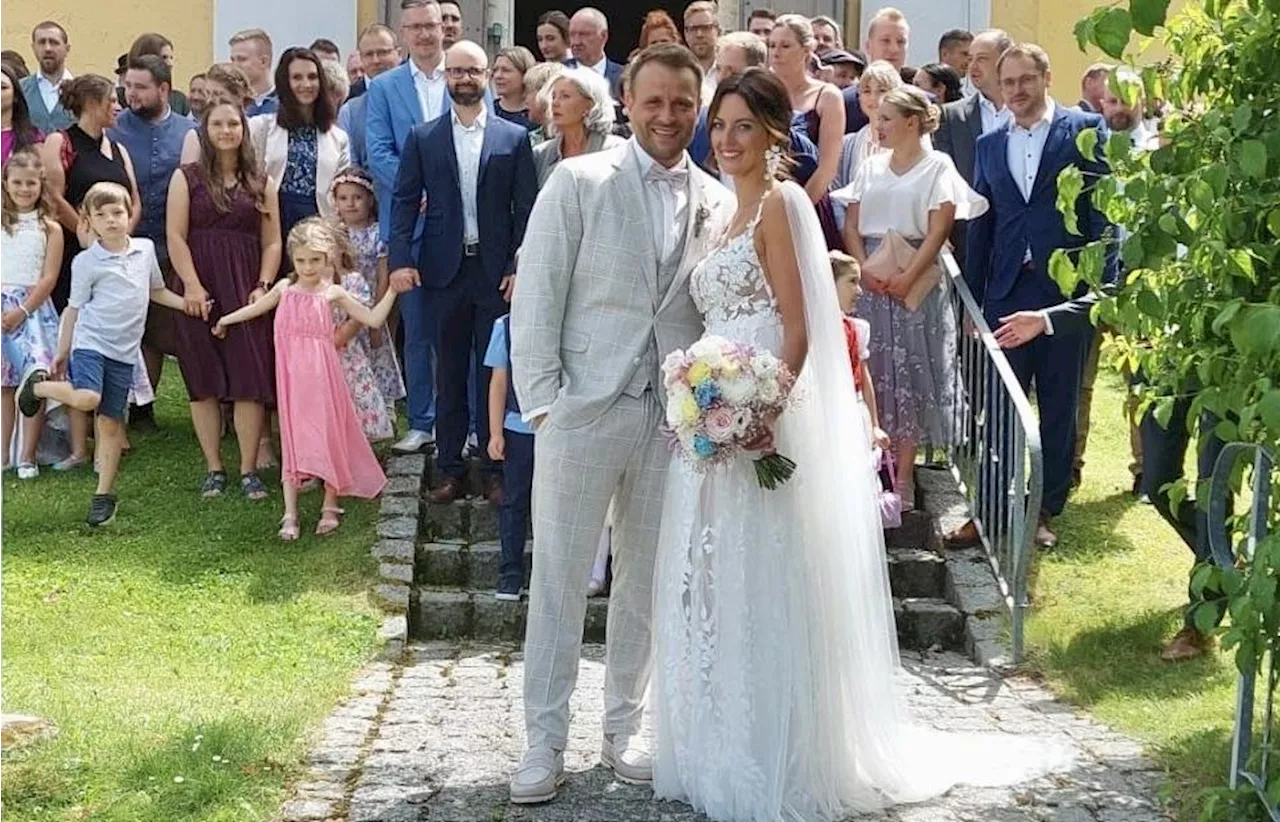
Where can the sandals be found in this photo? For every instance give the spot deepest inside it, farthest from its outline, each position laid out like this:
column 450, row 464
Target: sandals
column 253, row 487
column 330, row 519
column 289, row 531
column 215, row 482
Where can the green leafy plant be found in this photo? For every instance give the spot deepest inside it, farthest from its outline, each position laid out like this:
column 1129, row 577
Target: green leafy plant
column 1198, row 310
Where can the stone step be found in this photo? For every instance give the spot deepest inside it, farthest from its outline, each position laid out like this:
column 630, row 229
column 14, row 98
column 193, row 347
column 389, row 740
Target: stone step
column 474, row 520
column 435, row 613
column 913, row 572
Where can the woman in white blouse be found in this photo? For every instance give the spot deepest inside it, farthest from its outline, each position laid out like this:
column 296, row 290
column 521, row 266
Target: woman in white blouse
column 915, row 192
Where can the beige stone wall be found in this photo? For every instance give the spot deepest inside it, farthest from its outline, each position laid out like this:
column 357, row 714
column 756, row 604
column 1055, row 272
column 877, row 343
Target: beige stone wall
column 101, row 30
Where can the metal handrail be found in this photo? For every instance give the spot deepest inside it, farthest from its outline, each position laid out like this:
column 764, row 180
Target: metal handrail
column 1224, row 556
column 994, row 451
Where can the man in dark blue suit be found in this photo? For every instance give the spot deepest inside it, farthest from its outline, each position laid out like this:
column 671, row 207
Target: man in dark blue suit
column 1045, row 336
column 471, row 176
column 588, row 34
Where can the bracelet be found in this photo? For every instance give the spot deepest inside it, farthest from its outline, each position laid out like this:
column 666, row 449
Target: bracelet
column 25, row 311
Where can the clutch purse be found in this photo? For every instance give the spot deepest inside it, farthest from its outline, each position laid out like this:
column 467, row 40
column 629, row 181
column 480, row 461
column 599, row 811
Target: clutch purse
column 891, row 258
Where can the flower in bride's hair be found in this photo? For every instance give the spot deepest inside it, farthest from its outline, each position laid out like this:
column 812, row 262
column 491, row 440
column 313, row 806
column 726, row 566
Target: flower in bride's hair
column 720, row 425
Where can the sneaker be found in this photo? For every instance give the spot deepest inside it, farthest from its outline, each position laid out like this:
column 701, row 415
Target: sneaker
column 28, row 471
column 28, row 402
column 507, row 595
column 101, row 510
column 414, row 442
column 70, row 463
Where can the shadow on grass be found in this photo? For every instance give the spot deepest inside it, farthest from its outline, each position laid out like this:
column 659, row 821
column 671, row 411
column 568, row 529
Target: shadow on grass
column 1093, row 528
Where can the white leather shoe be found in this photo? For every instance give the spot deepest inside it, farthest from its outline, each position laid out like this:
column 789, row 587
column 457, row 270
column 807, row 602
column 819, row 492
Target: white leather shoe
column 414, row 442
column 538, row 777
column 630, row 764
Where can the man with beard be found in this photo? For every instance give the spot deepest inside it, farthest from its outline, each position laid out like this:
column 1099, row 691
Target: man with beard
column 475, row 174
column 50, row 44
column 153, row 135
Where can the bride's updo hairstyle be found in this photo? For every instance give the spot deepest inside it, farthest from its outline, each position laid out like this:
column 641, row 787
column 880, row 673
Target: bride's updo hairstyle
column 767, row 100
column 912, row 102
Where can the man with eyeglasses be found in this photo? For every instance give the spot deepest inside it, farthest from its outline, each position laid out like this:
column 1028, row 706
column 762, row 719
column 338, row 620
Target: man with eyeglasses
column 378, row 55
column 701, row 31
column 398, row 100
column 470, row 177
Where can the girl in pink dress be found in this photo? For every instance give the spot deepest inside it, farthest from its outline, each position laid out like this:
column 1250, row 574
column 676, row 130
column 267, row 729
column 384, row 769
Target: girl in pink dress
column 320, row 431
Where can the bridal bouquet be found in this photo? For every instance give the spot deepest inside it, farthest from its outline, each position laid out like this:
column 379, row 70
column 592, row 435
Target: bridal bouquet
column 719, row 395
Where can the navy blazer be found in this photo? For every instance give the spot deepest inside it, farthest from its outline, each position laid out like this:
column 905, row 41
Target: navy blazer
column 505, row 190
column 992, row 266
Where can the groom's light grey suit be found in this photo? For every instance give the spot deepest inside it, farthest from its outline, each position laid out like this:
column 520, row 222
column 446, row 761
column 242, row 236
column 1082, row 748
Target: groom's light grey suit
column 597, row 306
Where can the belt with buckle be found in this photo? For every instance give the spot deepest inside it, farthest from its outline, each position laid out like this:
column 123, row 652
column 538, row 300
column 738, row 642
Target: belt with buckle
column 471, row 249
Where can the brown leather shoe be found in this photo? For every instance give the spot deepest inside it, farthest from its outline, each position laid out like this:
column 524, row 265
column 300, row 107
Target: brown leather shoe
column 1186, row 644
column 446, row 492
column 493, row 490
column 1044, row 537
column 966, row 536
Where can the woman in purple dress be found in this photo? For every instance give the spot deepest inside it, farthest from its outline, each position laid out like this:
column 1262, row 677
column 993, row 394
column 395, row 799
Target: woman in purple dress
column 224, row 239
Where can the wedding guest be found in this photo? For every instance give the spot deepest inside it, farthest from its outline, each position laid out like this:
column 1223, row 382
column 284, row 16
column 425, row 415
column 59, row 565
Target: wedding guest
column 153, row 133
column 399, row 100
column 581, row 119
column 50, row 44
column 477, row 205
column 160, row 46
column 1093, row 87
column 1045, row 336
column 223, row 228
column 790, row 45
column 701, row 30
column 223, row 82
column 535, row 80
column 339, row 85
column 658, row 27
column 888, row 39
column 588, row 34
column 953, row 50
column 845, row 67
column 553, row 37
column 827, row 35
column 326, row 49
column 509, row 68
column 16, row 61
column 916, row 194
column 197, row 95
column 251, row 51
column 878, row 80
column 19, row 131
column 939, row 80
column 301, row 145
column 378, row 55
column 760, row 23
column 450, row 23
column 510, row 443
column 355, row 74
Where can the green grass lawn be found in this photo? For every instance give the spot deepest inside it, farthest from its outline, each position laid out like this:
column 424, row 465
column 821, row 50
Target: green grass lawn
column 183, row 651
column 1107, row 599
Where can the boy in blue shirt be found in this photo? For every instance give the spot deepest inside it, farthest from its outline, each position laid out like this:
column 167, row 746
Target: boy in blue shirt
column 511, row 443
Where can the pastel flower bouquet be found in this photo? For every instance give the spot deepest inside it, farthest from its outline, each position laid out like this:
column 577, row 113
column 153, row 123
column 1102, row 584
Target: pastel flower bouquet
column 720, row 394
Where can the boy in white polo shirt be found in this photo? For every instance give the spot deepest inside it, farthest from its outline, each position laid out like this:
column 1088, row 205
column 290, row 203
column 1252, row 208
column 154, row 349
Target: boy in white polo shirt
column 112, row 283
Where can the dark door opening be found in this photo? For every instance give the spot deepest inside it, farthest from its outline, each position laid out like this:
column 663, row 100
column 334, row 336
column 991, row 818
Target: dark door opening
column 625, row 18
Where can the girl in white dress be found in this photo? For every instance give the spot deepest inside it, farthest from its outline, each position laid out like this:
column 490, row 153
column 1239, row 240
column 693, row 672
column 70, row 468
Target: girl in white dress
column 773, row 694
column 917, row 193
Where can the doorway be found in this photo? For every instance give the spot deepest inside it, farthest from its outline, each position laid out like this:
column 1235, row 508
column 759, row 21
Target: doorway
column 624, row 22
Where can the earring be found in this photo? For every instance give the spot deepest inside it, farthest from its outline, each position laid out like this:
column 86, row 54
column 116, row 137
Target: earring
column 772, row 161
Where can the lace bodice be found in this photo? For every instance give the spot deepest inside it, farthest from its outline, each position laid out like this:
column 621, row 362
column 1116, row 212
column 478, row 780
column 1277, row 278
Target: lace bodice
column 733, row 296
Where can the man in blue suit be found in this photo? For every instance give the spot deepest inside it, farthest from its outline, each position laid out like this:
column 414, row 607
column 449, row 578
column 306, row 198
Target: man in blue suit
column 410, row 94
column 471, row 177
column 378, row 55
column 1044, row 336
column 588, row 34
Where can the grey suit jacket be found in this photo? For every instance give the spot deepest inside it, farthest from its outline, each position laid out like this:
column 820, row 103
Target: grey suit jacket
column 587, row 305
column 546, row 155
column 958, row 131
column 42, row 118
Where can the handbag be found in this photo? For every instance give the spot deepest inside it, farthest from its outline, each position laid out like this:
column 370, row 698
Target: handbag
column 889, row 501
column 890, row 260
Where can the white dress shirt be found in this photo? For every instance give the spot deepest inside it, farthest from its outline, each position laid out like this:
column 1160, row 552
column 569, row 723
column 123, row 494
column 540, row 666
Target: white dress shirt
column 710, row 82
column 601, row 67
column 992, row 117
column 430, row 87
column 467, row 142
column 49, row 89
column 1026, row 149
column 666, row 195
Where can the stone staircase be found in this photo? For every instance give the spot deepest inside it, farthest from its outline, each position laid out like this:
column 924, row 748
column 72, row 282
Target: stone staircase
column 456, row 557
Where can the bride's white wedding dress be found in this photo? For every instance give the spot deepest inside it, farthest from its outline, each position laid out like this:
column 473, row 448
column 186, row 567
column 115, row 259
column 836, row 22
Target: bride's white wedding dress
column 773, row 691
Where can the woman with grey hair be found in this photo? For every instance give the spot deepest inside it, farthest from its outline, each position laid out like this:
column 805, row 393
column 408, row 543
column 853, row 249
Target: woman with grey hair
column 535, row 80
column 580, row 121
column 339, row 82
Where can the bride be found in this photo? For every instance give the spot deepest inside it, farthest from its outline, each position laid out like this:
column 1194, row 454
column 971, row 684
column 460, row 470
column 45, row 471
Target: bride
column 773, row 694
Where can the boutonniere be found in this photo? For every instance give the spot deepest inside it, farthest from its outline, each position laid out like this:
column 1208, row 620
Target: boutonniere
column 700, row 218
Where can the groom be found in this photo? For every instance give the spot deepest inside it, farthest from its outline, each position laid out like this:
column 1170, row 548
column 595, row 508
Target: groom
column 601, row 297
